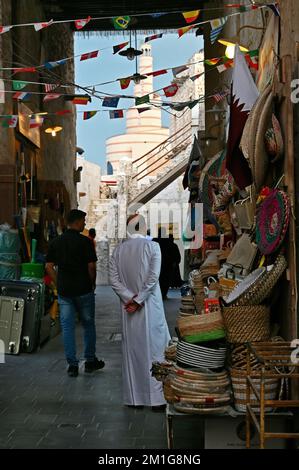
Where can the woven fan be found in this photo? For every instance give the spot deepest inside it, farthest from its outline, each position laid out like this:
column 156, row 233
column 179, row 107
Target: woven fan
column 272, row 221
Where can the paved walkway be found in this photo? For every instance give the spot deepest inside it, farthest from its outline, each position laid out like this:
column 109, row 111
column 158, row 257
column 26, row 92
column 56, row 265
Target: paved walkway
column 41, row 407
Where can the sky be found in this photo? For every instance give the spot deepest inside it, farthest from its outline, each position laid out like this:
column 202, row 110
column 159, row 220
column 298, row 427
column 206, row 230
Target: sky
column 169, row 51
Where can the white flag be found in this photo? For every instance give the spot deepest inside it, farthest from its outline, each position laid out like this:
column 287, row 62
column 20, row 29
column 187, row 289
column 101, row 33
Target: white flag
column 39, row 26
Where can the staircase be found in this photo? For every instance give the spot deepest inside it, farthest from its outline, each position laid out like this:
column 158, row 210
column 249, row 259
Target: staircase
column 167, row 160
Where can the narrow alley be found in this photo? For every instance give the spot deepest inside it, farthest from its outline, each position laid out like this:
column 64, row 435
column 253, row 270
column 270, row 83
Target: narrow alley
column 41, row 407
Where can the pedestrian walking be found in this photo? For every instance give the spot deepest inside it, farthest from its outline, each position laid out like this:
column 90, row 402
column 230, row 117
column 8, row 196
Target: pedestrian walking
column 134, row 275
column 71, row 263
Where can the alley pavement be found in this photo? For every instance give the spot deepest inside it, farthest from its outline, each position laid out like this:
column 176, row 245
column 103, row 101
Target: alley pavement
column 42, row 408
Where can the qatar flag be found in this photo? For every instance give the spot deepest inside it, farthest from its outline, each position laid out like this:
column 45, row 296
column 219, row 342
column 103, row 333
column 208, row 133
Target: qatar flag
column 244, row 95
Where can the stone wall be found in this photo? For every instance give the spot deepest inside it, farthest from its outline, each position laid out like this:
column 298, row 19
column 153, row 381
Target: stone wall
column 6, row 135
column 23, row 46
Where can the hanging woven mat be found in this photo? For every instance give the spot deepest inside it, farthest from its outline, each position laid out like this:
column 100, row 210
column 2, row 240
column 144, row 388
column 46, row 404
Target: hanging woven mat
column 272, row 221
column 247, row 323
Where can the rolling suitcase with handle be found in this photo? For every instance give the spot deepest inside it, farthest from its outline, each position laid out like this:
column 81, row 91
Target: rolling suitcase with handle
column 31, row 293
column 11, row 320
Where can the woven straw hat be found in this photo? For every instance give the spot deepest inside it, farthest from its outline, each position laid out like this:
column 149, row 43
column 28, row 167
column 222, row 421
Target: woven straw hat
column 274, row 141
column 252, row 142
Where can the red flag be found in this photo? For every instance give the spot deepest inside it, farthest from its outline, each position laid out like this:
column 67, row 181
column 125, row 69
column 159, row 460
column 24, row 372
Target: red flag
column 81, row 23
column 51, row 96
column 63, row 112
column 191, row 16
column 36, row 121
column 25, row 69
column 171, row 90
column 184, row 30
column 119, row 47
column 244, row 95
column 89, row 55
column 4, row 29
column 124, row 83
column 81, row 100
column 155, row 74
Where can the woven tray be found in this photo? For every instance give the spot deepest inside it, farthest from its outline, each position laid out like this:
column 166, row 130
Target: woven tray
column 260, row 289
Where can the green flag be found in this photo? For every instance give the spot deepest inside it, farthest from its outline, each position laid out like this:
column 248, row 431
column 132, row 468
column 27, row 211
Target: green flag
column 18, row 85
column 142, row 100
column 121, row 22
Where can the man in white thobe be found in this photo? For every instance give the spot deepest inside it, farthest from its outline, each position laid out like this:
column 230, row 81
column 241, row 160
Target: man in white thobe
column 134, row 276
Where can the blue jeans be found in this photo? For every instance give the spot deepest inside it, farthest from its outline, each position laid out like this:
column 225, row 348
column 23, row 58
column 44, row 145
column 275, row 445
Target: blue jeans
column 85, row 306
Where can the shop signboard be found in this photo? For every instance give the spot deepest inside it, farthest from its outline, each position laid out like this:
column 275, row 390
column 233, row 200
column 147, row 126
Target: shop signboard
column 24, row 122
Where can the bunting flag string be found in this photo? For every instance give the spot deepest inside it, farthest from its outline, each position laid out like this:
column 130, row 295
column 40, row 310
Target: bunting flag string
column 216, row 28
column 115, row 114
column 151, row 38
column 122, row 22
column 79, row 24
column 39, row 26
column 118, row 47
column 10, row 121
column 191, row 16
column 88, row 115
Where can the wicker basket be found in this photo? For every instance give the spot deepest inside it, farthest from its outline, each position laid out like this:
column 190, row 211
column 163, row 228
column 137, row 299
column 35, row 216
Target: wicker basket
column 247, row 323
column 198, row 328
column 238, row 378
column 261, row 289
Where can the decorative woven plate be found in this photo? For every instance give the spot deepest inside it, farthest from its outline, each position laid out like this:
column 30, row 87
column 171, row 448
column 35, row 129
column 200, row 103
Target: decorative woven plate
column 272, row 221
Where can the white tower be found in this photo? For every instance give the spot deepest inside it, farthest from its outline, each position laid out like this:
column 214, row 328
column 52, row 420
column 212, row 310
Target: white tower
column 144, row 130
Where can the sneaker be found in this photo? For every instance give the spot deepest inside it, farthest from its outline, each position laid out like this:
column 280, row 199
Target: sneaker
column 73, row 371
column 96, row 364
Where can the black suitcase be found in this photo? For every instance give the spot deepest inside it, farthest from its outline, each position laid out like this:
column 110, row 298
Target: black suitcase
column 31, row 293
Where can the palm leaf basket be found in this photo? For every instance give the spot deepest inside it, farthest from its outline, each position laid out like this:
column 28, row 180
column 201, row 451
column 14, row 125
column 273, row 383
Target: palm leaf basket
column 247, row 323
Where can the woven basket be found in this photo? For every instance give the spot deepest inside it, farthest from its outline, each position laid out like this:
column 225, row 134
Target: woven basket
column 238, row 378
column 198, row 328
column 247, row 323
column 261, row 289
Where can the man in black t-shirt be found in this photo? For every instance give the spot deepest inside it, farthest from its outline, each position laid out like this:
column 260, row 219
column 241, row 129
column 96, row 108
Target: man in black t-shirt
column 71, row 263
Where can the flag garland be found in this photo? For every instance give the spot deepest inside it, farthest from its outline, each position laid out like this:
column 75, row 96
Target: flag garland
column 191, row 16
column 171, row 90
column 154, row 36
column 10, row 121
column 184, row 30
column 216, row 28
column 4, row 29
column 79, row 24
column 180, row 69
column 35, row 121
column 110, row 101
column 89, row 55
column 21, row 95
column 39, row 26
column 118, row 47
column 56, row 63
column 51, row 97
column 124, row 82
column 18, row 85
column 88, row 115
column 142, row 100
column 121, row 22
column 115, row 114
